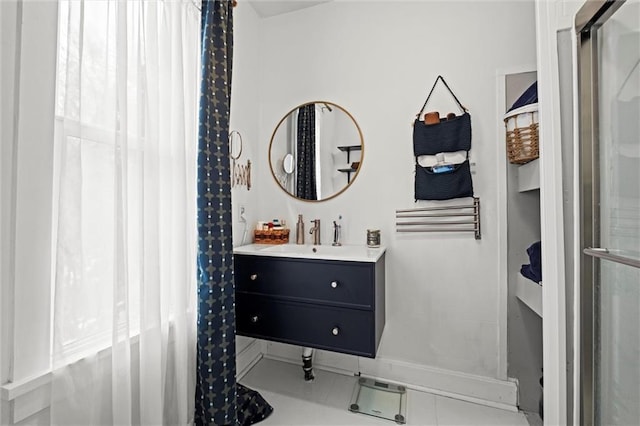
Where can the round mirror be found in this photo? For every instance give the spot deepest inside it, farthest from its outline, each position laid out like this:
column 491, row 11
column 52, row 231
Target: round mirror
column 316, row 151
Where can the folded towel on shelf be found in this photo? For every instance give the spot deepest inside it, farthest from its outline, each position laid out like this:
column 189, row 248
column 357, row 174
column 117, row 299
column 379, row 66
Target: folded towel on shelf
column 533, row 270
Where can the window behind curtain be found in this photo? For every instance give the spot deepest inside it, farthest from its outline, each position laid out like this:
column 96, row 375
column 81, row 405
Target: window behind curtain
column 92, row 129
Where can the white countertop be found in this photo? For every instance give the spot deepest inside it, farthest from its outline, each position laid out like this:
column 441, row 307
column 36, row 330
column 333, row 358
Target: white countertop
column 347, row 253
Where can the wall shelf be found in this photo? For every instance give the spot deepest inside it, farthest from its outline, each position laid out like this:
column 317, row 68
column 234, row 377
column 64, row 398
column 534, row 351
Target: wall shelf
column 529, row 293
column 529, row 176
column 348, row 149
column 348, row 172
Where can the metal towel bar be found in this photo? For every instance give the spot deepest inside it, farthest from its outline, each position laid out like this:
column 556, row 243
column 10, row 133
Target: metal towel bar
column 604, row 253
column 441, row 223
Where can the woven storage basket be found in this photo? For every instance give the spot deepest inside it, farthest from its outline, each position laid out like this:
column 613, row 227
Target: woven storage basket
column 522, row 134
column 273, row 236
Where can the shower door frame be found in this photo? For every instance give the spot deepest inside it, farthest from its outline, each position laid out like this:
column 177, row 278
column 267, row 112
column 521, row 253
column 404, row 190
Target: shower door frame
column 588, row 20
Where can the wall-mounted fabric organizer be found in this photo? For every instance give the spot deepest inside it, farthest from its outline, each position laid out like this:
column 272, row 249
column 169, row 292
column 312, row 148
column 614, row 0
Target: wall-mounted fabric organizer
column 438, row 136
column 454, row 218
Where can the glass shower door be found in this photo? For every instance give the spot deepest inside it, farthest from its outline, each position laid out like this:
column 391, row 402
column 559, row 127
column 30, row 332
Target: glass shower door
column 610, row 181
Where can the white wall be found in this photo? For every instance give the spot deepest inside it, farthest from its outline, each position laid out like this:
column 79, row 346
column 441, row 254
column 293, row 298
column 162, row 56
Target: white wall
column 378, row 60
column 245, row 112
column 244, row 118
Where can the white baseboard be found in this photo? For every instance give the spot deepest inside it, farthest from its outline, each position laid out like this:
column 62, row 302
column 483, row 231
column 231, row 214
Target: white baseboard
column 248, row 357
column 496, row 393
column 487, row 391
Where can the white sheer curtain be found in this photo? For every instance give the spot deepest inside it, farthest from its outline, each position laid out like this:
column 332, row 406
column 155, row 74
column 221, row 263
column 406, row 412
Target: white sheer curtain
column 124, row 314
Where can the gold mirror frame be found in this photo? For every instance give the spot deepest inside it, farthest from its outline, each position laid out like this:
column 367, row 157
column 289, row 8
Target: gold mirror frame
column 350, row 176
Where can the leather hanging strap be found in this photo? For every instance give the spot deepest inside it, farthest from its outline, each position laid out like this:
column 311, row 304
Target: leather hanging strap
column 450, row 91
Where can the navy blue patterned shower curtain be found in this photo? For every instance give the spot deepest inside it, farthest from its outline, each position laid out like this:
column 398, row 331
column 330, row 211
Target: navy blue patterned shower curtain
column 219, row 399
column 216, row 377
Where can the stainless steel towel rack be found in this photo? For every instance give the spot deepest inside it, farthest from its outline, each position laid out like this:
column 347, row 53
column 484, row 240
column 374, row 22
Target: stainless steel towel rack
column 454, row 218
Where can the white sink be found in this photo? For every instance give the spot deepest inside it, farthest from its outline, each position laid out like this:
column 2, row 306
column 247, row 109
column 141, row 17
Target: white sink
column 349, row 253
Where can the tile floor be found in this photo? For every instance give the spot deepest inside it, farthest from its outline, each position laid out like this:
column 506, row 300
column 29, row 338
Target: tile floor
column 325, row 400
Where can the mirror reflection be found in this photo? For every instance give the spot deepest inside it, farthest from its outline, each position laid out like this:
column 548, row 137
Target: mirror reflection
column 316, row 151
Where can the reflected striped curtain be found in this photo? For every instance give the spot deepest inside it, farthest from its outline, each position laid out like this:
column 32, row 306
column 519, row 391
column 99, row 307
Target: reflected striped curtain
column 306, row 148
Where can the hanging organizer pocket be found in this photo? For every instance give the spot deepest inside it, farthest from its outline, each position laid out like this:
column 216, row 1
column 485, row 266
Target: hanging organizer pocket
column 448, row 134
column 443, row 183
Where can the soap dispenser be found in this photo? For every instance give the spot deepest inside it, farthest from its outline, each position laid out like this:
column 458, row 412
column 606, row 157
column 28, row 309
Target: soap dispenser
column 300, row 230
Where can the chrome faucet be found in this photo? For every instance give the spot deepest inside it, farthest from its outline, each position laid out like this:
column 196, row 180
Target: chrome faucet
column 315, row 231
column 336, row 234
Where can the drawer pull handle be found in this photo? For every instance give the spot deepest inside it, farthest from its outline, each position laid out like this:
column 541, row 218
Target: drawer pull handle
column 254, row 319
column 335, row 331
column 254, row 277
column 334, row 284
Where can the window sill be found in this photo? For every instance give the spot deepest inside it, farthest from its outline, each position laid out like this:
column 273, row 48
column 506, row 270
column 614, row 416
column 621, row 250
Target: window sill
column 32, row 394
column 12, row 391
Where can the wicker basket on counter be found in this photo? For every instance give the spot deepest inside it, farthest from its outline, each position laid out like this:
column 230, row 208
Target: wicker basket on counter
column 522, row 134
column 272, row 236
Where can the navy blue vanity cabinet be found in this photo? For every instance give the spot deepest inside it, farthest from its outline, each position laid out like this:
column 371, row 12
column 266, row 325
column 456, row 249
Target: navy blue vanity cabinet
column 324, row 304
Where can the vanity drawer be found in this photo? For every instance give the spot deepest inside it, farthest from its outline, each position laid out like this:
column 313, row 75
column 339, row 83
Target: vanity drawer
column 331, row 282
column 323, row 327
